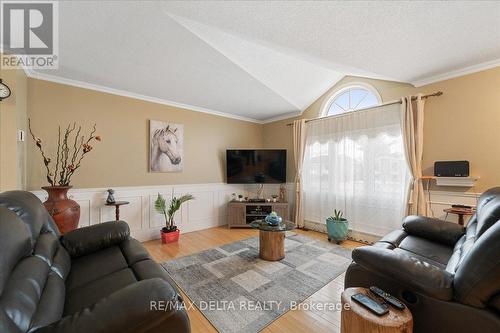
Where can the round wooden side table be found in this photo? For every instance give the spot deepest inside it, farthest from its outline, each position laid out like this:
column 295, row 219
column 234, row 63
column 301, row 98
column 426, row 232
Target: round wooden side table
column 272, row 239
column 117, row 205
column 357, row 318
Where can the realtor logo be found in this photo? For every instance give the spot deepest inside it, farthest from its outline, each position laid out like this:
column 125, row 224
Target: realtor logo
column 29, row 32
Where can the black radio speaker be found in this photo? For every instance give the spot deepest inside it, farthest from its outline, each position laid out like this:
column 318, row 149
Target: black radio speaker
column 451, row 168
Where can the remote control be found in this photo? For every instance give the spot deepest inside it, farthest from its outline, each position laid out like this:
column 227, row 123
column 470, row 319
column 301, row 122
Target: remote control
column 388, row 297
column 370, row 304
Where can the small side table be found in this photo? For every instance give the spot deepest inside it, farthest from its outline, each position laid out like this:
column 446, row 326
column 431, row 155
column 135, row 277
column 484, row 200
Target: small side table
column 117, row 205
column 357, row 318
column 461, row 212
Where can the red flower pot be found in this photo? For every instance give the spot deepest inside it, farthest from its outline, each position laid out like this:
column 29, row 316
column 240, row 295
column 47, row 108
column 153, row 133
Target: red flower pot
column 170, row 237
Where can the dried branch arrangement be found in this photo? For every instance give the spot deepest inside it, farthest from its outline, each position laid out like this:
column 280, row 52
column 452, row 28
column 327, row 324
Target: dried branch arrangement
column 72, row 146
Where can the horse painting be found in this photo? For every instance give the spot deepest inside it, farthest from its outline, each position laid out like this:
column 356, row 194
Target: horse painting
column 166, row 141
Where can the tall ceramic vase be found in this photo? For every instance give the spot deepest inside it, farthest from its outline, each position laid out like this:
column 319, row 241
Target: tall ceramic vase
column 64, row 211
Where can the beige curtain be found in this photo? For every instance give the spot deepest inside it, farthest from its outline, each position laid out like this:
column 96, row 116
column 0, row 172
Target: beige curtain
column 299, row 142
column 413, row 138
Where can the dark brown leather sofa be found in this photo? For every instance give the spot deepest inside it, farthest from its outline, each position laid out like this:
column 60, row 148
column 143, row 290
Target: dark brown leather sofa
column 448, row 276
column 94, row 279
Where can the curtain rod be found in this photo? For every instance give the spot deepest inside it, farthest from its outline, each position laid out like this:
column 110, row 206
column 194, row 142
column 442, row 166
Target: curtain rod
column 437, row 93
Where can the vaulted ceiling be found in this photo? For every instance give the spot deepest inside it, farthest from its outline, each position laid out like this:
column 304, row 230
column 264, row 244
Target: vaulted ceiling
column 264, row 60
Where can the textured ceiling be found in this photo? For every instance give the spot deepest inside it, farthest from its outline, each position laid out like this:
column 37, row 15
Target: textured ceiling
column 265, row 59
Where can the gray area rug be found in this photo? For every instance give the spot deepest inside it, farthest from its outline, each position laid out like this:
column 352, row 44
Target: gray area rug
column 238, row 292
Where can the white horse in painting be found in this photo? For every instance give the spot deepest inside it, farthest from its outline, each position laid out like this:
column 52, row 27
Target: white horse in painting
column 165, row 142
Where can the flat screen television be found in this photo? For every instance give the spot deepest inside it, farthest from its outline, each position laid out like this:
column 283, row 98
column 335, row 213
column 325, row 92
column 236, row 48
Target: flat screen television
column 256, row 166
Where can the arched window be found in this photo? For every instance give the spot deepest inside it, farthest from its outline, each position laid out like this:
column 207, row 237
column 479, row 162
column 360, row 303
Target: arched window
column 350, row 98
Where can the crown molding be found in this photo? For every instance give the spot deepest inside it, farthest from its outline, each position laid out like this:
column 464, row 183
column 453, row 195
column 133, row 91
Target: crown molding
column 282, row 117
column 456, row 73
column 80, row 84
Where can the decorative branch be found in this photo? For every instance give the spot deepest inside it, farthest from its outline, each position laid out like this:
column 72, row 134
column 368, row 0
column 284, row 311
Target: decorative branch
column 69, row 156
column 46, row 160
column 58, row 150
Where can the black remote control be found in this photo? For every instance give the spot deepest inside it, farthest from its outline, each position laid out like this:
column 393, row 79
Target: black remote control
column 387, row 297
column 370, row 304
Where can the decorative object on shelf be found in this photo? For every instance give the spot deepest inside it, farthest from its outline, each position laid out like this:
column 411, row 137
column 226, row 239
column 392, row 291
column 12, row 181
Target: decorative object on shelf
column 282, row 196
column 273, row 219
column 170, row 233
column 4, row 91
column 72, row 147
column 245, row 198
column 233, row 197
column 268, row 199
column 337, row 227
column 275, row 197
column 117, row 205
column 240, row 197
column 111, row 198
column 166, row 141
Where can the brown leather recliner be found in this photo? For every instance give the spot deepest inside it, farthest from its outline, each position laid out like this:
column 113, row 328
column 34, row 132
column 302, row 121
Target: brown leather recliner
column 448, row 276
column 93, row 279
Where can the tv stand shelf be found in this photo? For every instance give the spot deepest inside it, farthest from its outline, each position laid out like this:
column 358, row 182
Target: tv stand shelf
column 242, row 213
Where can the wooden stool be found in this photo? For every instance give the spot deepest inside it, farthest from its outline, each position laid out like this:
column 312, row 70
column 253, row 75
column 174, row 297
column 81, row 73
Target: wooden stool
column 359, row 319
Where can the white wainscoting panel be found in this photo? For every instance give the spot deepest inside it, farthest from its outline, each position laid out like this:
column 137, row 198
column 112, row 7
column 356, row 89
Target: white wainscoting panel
column 209, row 209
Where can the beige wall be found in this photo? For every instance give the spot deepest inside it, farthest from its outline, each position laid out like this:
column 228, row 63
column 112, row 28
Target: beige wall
column 12, row 118
column 121, row 159
column 464, row 123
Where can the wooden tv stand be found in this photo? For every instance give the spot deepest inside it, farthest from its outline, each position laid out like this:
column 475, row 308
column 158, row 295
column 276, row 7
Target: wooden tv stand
column 241, row 214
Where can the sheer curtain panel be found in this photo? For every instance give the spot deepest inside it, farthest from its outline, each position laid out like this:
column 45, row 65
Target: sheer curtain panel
column 356, row 162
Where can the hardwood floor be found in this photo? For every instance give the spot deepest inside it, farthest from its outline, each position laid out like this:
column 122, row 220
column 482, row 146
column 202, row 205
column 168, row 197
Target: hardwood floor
column 300, row 320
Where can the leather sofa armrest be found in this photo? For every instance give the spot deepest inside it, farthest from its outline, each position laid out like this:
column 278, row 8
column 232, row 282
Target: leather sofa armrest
column 412, row 272
column 134, row 308
column 90, row 239
column 437, row 230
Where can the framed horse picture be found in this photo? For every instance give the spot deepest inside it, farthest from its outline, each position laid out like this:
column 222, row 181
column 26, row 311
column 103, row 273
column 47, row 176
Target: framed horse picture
column 166, row 141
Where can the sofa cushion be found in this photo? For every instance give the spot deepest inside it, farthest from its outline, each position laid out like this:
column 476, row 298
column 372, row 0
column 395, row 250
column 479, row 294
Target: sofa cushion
column 101, row 273
column 29, row 208
column 51, row 304
column 90, row 293
column 24, row 290
column 394, row 237
column 15, row 243
column 427, row 249
column 95, row 266
column 33, row 268
column 133, row 251
column 488, row 210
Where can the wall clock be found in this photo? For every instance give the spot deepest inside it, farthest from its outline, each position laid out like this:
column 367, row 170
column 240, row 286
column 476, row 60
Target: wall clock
column 4, row 90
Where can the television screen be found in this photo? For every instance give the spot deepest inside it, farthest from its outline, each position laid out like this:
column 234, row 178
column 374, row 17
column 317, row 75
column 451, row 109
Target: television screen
column 249, row 166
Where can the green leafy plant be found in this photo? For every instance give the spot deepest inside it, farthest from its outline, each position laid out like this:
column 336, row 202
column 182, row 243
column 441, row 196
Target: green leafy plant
column 337, row 215
column 173, row 207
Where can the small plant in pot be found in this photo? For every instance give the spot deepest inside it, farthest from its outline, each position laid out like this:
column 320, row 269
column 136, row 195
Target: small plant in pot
column 337, row 227
column 170, row 233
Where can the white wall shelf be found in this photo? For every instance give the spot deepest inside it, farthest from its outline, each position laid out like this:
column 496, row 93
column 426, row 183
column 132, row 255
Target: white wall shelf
column 456, row 181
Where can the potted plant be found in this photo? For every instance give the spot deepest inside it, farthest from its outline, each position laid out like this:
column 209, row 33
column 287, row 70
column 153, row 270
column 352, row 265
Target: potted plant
column 337, row 226
column 240, row 197
column 275, row 197
column 170, row 233
column 72, row 147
